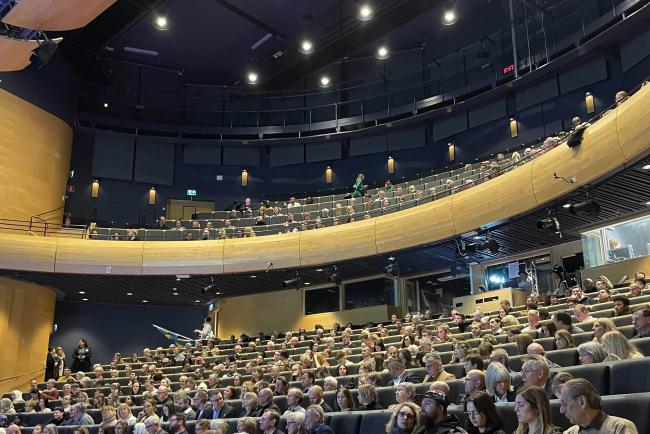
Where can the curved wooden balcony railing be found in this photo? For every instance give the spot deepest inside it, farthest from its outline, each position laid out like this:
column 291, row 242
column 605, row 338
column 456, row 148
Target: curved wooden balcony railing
column 620, row 137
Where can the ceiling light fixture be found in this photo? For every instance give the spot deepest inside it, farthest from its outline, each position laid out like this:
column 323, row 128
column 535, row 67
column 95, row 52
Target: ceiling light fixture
column 145, row 301
column 161, row 22
column 325, row 81
column 449, row 17
column 382, row 53
column 590, row 207
column 84, row 299
column 197, row 301
column 105, row 105
column 252, row 78
column 306, row 47
column 82, row 292
column 646, row 167
column 365, row 13
column 129, row 294
column 174, row 293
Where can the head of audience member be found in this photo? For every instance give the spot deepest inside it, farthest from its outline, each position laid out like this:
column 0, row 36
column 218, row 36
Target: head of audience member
column 621, row 97
column 473, row 361
column 314, row 418
column 405, row 392
column 531, row 302
column 535, row 349
column 295, row 422
column 580, row 402
column 474, row 381
column 641, row 320
column 269, row 421
column 482, row 412
column 621, row 305
column 562, row 321
column 307, row 379
column 618, row 347
column 564, row 340
column 497, row 380
column 635, row 289
column 247, row 425
column 533, row 410
column 433, row 409
column 603, row 295
column 395, row 368
column 590, row 352
column 344, row 399
column 176, row 423
column 535, row 371
column 405, row 417
column 523, row 341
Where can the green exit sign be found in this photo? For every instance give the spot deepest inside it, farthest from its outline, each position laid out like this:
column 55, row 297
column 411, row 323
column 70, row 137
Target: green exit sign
column 191, row 192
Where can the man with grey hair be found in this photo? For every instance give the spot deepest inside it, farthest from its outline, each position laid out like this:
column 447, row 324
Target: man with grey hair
column 152, row 425
column 404, row 392
column 294, row 396
column 316, row 398
column 580, row 403
column 330, row 384
column 78, row 416
column 435, row 369
column 295, row 423
column 535, row 372
column 399, row 374
column 315, row 421
column 265, row 402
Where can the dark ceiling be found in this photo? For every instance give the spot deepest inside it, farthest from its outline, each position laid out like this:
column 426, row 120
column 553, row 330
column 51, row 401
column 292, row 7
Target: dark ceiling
column 211, row 41
column 622, row 195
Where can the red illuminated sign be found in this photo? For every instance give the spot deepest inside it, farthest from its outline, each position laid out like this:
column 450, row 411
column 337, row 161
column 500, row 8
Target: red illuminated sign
column 508, row 69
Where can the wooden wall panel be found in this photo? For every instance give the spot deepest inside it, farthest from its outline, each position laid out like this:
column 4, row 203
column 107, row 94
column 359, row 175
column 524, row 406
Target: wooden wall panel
column 506, row 196
column 22, row 252
column 56, row 15
column 598, row 154
column 338, row 243
column 95, row 256
column 26, row 316
column 15, row 54
column 196, row 257
column 632, row 124
column 253, row 254
column 419, row 225
column 34, row 159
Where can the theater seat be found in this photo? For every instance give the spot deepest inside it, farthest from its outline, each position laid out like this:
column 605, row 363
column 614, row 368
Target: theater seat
column 629, row 376
column 345, row 423
column 633, row 407
column 642, row 345
column 596, row 374
column 458, row 369
column 374, row 422
column 568, row 357
column 386, row 396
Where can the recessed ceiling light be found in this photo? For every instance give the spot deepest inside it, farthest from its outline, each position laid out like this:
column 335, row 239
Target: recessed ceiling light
column 105, row 105
column 646, row 167
column 365, row 12
column 319, row 269
column 173, row 289
column 252, row 78
column 197, row 301
column 648, row 203
column 129, row 294
column 325, row 81
column 307, row 283
column 382, row 53
column 174, row 293
column 566, row 205
column 449, row 18
column 306, row 47
column 253, row 277
column 145, row 301
column 217, row 293
column 84, row 299
column 82, row 292
column 391, row 258
column 161, row 22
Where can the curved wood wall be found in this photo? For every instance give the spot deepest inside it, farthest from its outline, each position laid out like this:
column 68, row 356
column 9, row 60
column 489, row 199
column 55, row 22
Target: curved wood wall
column 621, row 136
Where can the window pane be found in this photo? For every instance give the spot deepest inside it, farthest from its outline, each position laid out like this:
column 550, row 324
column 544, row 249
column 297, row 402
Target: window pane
column 321, row 300
column 369, row 293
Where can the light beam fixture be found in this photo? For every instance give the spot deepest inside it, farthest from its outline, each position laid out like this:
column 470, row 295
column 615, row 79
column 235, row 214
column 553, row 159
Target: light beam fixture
column 252, row 77
column 152, row 196
column 161, row 22
column 590, row 207
column 590, row 103
column 391, row 165
column 306, row 47
column 325, row 81
column 382, row 53
column 449, row 17
column 94, row 189
column 328, row 175
column 514, row 128
column 365, row 12
column 244, row 178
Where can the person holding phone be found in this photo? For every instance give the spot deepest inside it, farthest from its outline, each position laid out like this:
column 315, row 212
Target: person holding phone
column 483, row 415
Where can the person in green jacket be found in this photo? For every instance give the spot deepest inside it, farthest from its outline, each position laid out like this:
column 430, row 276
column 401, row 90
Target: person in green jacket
column 359, row 188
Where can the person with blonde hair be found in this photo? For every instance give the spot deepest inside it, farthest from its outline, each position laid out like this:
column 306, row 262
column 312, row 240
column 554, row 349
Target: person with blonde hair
column 249, row 404
column 218, row 426
column 368, row 397
column 602, row 326
column 6, row 406
column 498, row 383
column 618, row 347
column 404, row 419
column 249, row 232
column 533, row 412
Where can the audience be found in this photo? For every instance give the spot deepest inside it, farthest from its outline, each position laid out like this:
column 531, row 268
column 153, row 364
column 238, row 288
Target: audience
column 534, row 412
column 433, row 414
column 404, row 419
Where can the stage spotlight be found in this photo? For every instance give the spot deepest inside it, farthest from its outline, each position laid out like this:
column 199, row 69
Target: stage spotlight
column 45, row 51
column 161, row 22
column 449, row 17
column 325, row 81
column 590, row 207
column 335, row 276
column 490, row 245
column 252, row 78
column 365, row 12
column 382, row 53
column 295, row 282
column 549, row 223
column 306, row 47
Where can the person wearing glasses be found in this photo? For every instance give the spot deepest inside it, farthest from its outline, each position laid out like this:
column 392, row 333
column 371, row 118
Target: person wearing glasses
column 295, row 423
column 580, row 403
column 404, row 419
column 152, row 425
column 483, row 415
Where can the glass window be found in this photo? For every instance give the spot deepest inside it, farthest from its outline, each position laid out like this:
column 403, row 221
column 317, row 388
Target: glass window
column 369, row 293
column 627, row 240
column 321, row 300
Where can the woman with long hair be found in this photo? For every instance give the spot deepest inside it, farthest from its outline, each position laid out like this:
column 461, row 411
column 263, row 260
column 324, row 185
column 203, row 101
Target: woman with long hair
column 618, row 347
column 344, row 400
column 534, row 412
column 404, row 419
column 483, row 415
column 602, row 326
column 498, row 383
column 564, row 340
